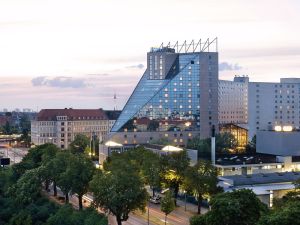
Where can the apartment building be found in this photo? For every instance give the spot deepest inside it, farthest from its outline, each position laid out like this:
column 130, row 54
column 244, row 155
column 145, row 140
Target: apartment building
column 60, row 126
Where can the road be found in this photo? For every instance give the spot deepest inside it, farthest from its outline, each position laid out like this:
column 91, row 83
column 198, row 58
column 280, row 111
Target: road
column 15, row 154
column 156, row 217
column 179, row 216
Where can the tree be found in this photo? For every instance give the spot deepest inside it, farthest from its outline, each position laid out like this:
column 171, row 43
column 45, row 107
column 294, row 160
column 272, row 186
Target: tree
column 240, row 207
column 285, row 213
column 21, row 218
column 80, row 171
column 167, row 204
column 173, row 170
column 47, row 170
column 28, row 187
column 66, row 215
column 119, row 190
column 225, row 142
column 25, row 123
column 202, row 179
column 61, row 177
column 251, row 146
column 151, row 170
column 79, row 144
column 202, row 145
column 7, row 128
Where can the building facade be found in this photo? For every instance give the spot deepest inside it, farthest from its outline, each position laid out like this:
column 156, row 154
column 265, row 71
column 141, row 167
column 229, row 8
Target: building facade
column 272, row 104
column 233, row 101
column 176, row 98
column 60, row 126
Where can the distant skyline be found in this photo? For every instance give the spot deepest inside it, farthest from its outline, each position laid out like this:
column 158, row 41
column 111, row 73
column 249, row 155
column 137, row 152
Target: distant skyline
column 61, row 53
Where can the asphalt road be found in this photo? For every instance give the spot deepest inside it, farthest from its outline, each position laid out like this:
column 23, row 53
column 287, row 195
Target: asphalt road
column 156, row 217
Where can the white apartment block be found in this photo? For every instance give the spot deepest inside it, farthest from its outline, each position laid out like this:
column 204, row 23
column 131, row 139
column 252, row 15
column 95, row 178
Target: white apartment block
column 272, row 104
column 233, row 101
column 60, row 126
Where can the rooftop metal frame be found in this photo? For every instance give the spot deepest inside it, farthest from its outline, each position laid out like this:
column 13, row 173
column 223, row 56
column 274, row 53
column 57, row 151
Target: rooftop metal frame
column 203, row 45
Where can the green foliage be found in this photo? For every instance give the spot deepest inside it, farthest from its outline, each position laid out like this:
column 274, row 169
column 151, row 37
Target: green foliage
column 21, row 218
column 119, row 188
column 198, row 220
column 173, row 170
column 80, row 171
column 251, row 146
column 79, row 144
column 285, row 211
column 20, row 188
column 67, row 216
column 297, row 184
column 27, row 189
column 240, row 207
column 202, row 145
column 150, row 170
column 201, row 179
column 224, row 143
column 6, row 179
column 167, row 203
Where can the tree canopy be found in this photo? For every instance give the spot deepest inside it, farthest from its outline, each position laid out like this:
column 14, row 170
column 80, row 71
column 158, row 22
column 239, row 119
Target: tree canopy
column 240, row 207
column 119, row 190
column 79, row 143
column 167, row 204
column 173, row 170
column 201, row 179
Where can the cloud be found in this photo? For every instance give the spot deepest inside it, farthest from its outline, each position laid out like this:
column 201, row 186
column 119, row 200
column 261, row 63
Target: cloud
column 223, row 66
column 138, row 66
column 99, row 74
column 60, row 82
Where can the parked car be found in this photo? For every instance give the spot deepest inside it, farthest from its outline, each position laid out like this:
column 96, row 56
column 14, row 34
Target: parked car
column 155, row 199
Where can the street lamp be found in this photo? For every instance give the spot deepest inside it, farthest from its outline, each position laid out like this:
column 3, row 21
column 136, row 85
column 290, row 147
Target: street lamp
column 148, row 214
column 185, row 200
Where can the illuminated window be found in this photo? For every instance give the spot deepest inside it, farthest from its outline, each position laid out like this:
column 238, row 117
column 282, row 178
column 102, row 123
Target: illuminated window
column 166, row 135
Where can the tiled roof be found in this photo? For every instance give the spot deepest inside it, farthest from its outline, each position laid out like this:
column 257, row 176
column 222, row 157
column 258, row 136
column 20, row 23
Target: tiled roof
column 72, row 114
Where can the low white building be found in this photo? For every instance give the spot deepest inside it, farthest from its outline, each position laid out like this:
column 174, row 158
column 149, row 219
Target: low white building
column 265, row 186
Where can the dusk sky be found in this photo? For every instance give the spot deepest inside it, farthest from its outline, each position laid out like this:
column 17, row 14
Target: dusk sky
column 78, row 53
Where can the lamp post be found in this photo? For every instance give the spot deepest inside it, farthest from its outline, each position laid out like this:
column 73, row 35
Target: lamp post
column 148, row 214
column 185, row 201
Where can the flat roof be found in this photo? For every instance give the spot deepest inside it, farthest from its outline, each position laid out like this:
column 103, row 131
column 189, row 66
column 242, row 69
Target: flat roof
column 244, row 159
column 262, row 178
